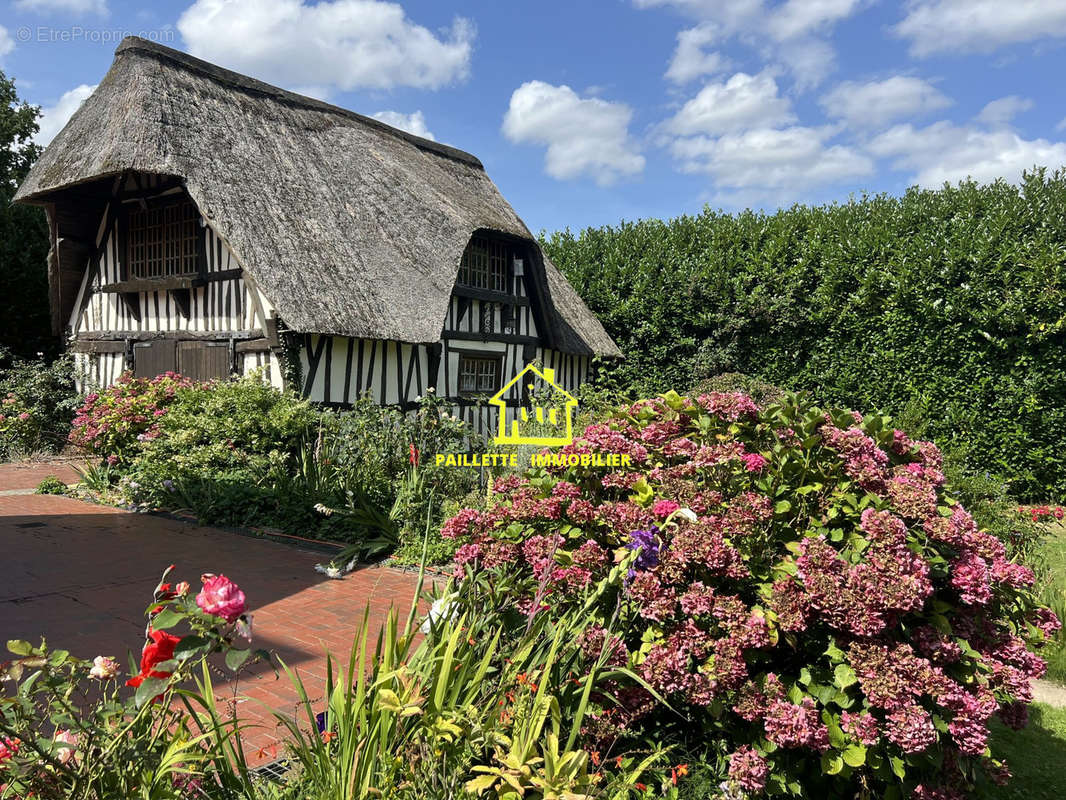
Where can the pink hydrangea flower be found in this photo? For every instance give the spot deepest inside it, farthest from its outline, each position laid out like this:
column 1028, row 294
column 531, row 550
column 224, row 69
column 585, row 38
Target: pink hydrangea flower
column 220, row 597
column 748, row 769
column 664, row 508
column 753, row 462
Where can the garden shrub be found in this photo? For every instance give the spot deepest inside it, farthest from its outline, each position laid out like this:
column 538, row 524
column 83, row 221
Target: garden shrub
column 809, row 609
column 214, row 448
column 50, row 484
column 115, row 422
column 37, row 403
column 948, row 299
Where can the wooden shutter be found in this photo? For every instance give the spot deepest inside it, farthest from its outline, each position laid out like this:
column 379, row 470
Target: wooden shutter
column 204, row 361
column 154, row 358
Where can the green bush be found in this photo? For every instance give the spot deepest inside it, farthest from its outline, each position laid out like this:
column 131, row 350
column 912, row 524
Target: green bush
column 37, row 403
column 214, row 449
column 948, row 301
column 51, row 485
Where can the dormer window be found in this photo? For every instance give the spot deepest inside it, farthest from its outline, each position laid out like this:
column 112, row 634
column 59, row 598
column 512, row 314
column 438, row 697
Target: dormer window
column 485, row 265
column 164, row 239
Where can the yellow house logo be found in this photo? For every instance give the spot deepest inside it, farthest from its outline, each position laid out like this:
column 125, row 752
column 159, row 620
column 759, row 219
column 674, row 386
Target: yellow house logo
column 559, row 415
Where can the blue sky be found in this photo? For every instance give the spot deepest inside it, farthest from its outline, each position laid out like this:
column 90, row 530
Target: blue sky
column 591, row 111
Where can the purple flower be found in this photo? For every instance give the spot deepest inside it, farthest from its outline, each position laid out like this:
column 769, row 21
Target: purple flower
column 648, row 544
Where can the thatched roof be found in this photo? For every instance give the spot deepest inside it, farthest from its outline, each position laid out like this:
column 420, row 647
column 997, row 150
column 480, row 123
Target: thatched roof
column 349, row 226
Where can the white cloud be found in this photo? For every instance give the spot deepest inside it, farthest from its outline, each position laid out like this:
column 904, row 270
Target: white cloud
column 948, row 152
column 801, row 17
column 53, row 118
column 346, row 44
column 69, row 6
column 584, row 136
column 937, row 26
column 690, row 61
column 790, row 33
column 876, row 103
column 7, row 44
column 1062, row 125
column 778, row 163
column 412, row 123
column 743, row 101
column 1003, row 110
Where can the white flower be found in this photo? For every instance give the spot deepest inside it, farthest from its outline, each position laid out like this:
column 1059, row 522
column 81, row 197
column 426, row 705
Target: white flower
column 687, row 513
column 329, row 571
column 104, row 668
column 324, row 510
column 443, row 608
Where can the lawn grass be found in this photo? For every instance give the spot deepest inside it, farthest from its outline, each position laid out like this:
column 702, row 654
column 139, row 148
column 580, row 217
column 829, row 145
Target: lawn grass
column 1036, row 755
column 1051, row 583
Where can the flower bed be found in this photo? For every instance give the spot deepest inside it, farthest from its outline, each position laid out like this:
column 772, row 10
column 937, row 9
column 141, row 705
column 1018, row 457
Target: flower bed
column 802, row 605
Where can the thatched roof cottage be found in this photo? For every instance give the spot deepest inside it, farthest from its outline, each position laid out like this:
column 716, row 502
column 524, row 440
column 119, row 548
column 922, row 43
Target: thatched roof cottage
column 209, row 223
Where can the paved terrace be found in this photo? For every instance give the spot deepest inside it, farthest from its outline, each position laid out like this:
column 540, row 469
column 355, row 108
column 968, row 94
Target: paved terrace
column 81, row 575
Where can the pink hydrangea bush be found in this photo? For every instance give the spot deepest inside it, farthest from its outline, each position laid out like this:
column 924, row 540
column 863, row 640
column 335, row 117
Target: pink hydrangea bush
column 794, row 592
column 114, row 422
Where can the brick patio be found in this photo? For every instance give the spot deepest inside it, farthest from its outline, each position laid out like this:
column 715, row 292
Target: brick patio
column 81, row 574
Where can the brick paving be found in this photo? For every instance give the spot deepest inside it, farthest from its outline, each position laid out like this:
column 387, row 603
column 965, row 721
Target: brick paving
column 24, row 475
column 81, row 575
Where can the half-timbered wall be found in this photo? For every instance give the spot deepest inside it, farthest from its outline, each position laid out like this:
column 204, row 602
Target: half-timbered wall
column 334, row 370
column 223, row 302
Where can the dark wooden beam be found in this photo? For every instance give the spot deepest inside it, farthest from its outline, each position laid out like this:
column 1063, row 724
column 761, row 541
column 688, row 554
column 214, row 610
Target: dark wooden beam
column 254, row 346
column 183, row 301
column 489, row 295
column 99, row 347
column 170, row 283
column 148, row 336
column 509, row 338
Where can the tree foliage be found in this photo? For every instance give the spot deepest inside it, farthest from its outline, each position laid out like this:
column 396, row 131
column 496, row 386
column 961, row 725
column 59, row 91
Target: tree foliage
column 943, row 307
column 24, row 314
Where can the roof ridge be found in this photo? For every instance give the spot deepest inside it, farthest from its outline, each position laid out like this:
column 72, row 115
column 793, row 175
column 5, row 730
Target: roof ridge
column 246, row 83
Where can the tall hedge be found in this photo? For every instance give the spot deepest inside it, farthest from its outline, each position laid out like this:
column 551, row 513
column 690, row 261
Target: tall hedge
column 943, row 306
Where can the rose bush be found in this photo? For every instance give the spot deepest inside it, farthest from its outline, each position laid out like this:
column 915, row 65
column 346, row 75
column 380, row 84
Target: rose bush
column 804, row 606
column 70, row 728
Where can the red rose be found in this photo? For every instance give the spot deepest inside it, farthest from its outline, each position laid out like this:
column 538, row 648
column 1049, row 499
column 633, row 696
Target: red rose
column 159, row 649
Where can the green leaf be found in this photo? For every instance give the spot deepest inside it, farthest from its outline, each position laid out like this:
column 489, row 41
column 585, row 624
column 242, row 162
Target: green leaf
column 190, row 646
column 844, row 676
column 19, row 647
column 235, row 658
column 782, row 507
column 898, row 767
column 836, row 736
column 148, row 690
column 167, row 618
column 832, row 763
column 855, row 756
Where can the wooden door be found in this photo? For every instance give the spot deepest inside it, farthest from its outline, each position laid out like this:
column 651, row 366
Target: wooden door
column 154, row 358
column 204, row 361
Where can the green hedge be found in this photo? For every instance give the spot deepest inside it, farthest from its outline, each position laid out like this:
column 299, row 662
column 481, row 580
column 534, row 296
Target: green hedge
column 941, row 306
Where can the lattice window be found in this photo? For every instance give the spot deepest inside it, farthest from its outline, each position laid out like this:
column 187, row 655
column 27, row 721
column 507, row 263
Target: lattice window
column 477, row 375
column 484, row 265
column 164, row 240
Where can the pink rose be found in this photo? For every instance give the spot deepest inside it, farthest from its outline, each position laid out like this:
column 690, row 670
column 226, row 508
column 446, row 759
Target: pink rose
column 220, row 597
column 25, row 415
column 104, row 668
column 64, row 754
